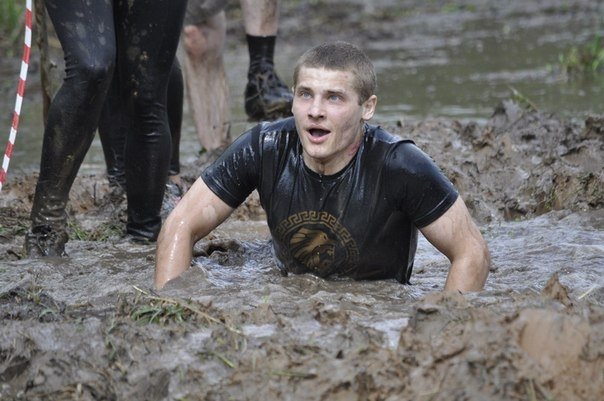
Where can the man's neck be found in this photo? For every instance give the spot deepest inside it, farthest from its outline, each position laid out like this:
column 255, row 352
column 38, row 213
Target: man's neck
column 334, row 165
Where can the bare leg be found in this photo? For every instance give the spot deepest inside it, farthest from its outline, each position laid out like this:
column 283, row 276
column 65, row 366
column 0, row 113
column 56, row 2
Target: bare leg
column 261, row 18
column 205, row 77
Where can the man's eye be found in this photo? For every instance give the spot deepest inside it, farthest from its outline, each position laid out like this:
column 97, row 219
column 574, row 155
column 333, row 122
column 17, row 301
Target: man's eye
column 335, row 98
column 304, row 95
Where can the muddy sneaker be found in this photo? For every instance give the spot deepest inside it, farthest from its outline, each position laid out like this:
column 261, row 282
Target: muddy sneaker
column 172, row 196
column 44, row 241
column 266, row 96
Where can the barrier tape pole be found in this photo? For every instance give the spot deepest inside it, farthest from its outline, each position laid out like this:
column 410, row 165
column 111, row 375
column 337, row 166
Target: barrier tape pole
column 8, row 153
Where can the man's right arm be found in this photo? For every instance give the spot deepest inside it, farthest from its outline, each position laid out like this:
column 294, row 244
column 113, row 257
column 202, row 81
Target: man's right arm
column 456, row 235
column 194, row 217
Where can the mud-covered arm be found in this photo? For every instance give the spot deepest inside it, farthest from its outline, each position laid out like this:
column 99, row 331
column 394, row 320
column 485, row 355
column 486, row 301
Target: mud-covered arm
column 194, row 217
column 455, row 235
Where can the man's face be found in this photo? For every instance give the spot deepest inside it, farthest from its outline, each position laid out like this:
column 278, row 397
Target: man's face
column 329, row 118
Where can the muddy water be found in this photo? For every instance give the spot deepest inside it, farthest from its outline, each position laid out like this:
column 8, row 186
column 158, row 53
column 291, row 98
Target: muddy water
column 525, row 255
column 459, row 64
column 239, row 275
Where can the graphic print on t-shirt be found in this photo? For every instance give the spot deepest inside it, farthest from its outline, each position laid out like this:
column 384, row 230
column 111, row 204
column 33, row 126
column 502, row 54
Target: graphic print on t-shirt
column 317, row 241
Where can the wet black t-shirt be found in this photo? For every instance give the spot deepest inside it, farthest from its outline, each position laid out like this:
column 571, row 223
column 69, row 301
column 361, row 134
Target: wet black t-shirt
column 361, row 222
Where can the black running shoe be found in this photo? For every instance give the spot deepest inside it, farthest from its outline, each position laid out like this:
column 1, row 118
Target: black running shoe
column 266, row 96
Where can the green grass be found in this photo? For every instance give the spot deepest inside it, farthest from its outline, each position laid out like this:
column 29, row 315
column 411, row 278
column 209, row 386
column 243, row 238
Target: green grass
column 102, row 233
column 15, row 230
column 10, row 14
column 522, row 99
column 12, row 26
column 582, row 60
column 149, row 308
column 13, row 226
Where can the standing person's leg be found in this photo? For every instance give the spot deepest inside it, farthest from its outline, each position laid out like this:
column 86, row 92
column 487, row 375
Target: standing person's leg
column 203, row 40
column 174, row 186
column 266, row 96
column 113, row 127
column 174, row 107
column 72, row 116
column 112, row 132
column 148, row 33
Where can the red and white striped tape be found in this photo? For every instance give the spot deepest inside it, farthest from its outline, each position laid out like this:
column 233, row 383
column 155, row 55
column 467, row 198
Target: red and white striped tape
column 8, row 153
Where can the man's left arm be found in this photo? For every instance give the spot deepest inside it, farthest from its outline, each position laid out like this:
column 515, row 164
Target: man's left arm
column 455, row 235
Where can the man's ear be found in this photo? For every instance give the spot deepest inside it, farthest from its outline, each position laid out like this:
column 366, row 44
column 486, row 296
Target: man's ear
column 369, row 107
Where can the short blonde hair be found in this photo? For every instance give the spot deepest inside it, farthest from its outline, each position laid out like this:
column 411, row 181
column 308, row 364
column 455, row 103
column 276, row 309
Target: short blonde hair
column 341, row 56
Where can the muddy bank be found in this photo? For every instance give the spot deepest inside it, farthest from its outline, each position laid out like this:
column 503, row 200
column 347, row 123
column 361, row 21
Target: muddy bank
column 523, row 163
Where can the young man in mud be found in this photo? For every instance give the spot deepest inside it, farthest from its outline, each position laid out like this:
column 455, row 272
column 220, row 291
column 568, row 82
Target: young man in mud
column 342, row 197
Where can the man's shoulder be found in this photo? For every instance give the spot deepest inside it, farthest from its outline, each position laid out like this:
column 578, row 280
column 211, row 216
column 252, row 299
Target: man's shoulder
column 379, row 136
column 393, row 151
column 282, row 125
column 279, row 135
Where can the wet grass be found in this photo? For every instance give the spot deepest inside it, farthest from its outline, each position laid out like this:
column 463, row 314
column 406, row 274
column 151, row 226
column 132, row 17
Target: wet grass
column 102, row 233
column 150, row 308
column 31, row 293
column 583, row 60
column 12, row 17
column 161, row 313
column 222, row 358
column 30, row 302
column 14, row 229
column 522, row 99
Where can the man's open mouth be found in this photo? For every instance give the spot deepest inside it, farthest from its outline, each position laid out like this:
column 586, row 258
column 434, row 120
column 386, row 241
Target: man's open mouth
column 317, row 132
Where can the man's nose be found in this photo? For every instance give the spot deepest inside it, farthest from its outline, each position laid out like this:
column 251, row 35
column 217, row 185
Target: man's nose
column 316, row 108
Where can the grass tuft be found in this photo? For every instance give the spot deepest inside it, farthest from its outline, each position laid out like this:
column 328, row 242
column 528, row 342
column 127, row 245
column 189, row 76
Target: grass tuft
column 583, row 60
column 12, row 25
column 151, row 308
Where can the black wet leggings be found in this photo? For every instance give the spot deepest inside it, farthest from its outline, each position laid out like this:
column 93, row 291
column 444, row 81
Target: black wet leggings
column 137, row 39
column 113, row 126
column 174, row 103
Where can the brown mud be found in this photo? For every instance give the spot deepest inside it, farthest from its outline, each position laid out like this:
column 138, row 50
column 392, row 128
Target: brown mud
column 88, row 327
